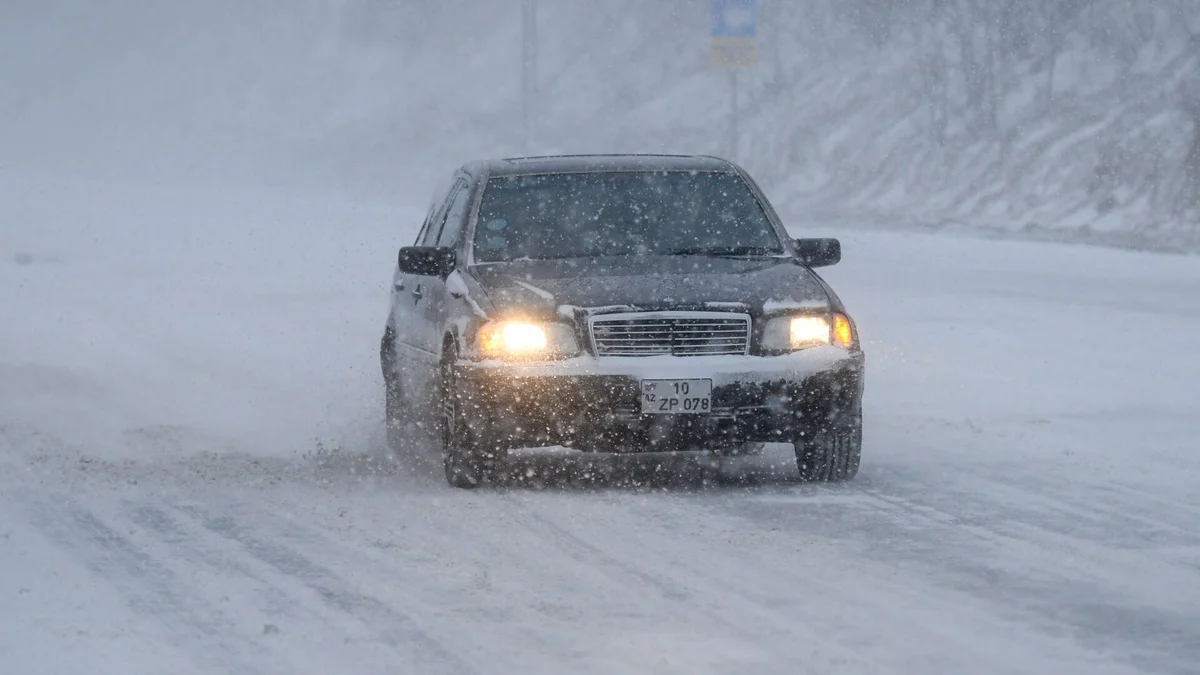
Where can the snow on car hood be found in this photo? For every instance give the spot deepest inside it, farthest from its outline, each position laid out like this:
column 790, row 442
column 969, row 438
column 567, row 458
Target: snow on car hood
column 644, row 282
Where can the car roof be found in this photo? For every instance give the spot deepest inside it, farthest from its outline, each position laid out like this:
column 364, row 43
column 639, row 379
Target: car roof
column 516, row 166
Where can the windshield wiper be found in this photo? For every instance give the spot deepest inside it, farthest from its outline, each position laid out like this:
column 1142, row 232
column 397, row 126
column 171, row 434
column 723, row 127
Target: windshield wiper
column 727, row 251
column 710, row 251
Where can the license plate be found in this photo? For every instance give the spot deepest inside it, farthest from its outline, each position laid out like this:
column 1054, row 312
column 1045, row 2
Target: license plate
column 664, row 397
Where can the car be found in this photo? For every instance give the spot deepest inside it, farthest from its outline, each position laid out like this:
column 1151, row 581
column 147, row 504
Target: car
column 618, row 304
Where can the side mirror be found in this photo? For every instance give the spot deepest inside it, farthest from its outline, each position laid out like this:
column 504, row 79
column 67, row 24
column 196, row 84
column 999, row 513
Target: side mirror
column 818, row 252
column 426, row 261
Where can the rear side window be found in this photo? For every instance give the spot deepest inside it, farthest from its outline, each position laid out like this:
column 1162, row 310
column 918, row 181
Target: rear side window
column 435, row 226
column 425, row 226
column 455, row 216
column 437, row 213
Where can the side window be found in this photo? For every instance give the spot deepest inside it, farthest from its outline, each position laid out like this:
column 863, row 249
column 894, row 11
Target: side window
column 455, row 216
column 435, row 225
column 437, row 212
column 425, row 226
column 439, row 217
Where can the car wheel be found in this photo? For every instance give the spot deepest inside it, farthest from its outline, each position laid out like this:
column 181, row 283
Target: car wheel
column 468, row 458
column 395, row 415
column 833, row 451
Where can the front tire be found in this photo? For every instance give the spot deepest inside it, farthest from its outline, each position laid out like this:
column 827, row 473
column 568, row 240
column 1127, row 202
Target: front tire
column 833, row 451
column 468, row 457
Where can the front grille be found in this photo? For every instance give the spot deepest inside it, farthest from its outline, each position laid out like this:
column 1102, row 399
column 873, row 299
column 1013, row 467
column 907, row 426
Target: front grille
column 671, row 333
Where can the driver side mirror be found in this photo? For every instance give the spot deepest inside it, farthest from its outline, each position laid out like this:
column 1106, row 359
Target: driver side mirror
column 818, row 252
column 426, row 261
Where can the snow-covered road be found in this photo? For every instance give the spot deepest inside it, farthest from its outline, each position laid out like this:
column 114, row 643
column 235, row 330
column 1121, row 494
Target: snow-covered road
column 191, row 477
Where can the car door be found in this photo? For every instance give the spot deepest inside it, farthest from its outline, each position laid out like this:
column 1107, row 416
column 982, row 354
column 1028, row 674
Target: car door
column 448, row 237
column 426, row 293
column 406, row 324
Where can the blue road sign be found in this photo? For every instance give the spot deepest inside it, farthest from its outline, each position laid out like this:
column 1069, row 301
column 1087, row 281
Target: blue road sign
column 734, row 18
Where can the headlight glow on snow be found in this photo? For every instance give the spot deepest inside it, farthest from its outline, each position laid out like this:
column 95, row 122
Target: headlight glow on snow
column 525, row 340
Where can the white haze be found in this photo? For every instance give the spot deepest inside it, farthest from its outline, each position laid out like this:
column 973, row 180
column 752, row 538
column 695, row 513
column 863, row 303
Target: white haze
column 200, row 205
column 1072, row 118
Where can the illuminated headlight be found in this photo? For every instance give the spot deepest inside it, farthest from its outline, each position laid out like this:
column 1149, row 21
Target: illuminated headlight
column 526, row 340
column 790, row 333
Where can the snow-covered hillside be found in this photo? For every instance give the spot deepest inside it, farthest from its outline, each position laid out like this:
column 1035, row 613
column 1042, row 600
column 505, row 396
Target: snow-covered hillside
column 1071, row 119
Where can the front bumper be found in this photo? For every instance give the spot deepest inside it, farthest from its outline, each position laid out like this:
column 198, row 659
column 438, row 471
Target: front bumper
column 593, row 404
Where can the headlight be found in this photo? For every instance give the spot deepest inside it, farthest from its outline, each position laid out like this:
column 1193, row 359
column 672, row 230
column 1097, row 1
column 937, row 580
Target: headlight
column 790, row 333
column 526, row 340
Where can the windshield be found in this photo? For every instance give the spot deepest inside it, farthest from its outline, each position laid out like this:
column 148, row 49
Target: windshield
column 621, row 214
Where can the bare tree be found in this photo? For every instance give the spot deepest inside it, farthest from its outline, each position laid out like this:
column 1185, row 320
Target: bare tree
column 971, row 38
column 1186, row 15
column 933, row 71
column 1059, row 19
column 934, row 67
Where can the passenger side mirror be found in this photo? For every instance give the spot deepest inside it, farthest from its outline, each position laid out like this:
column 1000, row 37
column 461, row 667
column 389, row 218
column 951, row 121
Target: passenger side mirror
column 426, row 261
column 818, row 252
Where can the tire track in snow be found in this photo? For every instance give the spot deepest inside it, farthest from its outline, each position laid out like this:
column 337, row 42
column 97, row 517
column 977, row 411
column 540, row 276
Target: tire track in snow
column 525, row 620
column 273, row 601
column 203, row 633
column 280, row 599
column 399, row 630
column 835, row 583
column 1041, row 567
column 759, row 619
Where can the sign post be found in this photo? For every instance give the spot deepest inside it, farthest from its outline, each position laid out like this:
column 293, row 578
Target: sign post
column 529, row 68
column 734, row 46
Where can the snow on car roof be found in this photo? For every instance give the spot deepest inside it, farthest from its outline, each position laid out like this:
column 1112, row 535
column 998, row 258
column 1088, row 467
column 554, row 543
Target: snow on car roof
column 581, row 163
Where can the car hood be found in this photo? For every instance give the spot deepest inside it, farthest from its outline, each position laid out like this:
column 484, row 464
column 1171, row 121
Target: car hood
column 756, row 285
